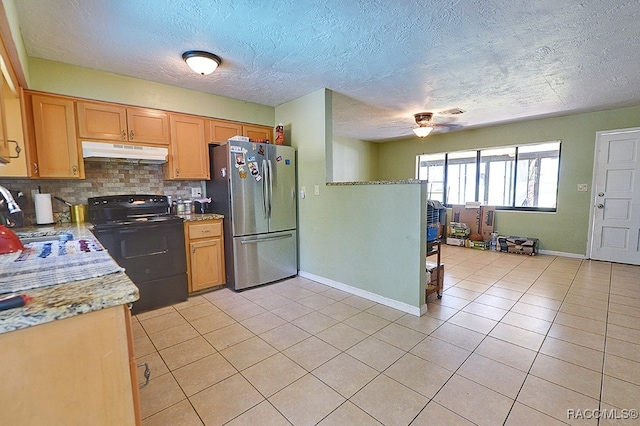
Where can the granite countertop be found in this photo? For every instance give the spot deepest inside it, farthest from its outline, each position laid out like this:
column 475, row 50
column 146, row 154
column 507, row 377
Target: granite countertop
column 198, row 216
column 69, row 299
column 376, row 182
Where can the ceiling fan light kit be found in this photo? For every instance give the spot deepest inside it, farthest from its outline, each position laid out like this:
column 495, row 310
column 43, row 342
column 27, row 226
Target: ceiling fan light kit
column 423, row 119
column 204, row 63
column 426, row 123
column 422, row 131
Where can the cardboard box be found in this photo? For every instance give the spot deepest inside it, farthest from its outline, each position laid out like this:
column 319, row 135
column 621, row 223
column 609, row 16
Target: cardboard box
column 487, row 216
column 461, row 242
column 519, row 245
column 479, row 245
column 469, row 216
column 479, row 219
column 458, row 230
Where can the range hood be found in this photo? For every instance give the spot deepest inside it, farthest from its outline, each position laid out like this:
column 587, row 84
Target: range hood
column 106, row 151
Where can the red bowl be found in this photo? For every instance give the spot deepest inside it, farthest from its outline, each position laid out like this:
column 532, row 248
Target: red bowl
column 9, row 241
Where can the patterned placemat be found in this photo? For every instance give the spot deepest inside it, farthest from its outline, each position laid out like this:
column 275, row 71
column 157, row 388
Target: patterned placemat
column 43, row 264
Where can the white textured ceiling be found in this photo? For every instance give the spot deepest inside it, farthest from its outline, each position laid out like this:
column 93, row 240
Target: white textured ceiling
column 499, row 60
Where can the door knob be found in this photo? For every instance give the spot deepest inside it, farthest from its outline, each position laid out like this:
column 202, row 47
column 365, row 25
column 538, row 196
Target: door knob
column 600, row 206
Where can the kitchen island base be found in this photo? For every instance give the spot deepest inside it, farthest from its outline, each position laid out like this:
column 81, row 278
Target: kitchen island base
column 78, row 370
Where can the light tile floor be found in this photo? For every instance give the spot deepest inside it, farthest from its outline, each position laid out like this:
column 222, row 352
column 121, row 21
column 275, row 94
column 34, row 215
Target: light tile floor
column 515, row 340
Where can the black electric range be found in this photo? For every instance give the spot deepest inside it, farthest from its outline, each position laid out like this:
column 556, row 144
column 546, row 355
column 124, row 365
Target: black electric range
column 147, row 242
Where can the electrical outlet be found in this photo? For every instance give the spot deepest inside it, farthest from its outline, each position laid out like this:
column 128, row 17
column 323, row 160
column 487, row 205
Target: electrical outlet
column 582, row 187
column 316, row 189
column 196, row 192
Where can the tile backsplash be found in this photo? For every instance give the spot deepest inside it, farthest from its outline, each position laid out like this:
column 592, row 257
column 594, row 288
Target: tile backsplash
column 101, row 178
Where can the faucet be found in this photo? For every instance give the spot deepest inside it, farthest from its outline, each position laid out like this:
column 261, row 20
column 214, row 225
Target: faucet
column 12, row 206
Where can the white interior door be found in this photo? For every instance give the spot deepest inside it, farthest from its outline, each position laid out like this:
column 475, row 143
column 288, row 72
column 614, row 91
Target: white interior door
column 615, row 233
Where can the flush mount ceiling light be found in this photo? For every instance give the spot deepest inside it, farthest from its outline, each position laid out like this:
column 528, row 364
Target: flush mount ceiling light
column 204, row 63
column 423, row 119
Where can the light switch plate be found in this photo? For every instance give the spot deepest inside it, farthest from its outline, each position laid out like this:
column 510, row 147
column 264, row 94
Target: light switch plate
column 316, row 189
column 196, row 192
column 582, row 187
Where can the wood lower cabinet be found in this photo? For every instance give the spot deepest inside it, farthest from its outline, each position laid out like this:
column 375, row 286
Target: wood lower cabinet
column 205, row 254
column 71, row 371
column 119, row 123
column 189, row 154
column 54, row 151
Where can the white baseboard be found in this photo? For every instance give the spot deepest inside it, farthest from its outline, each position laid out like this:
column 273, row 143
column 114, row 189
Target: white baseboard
column 401, row 306
column 562, row 254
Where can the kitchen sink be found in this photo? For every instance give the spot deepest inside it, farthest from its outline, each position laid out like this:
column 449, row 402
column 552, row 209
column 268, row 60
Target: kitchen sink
column 60, row 236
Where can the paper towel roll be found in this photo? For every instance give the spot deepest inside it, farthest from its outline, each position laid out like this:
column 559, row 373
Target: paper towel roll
column 44, row 212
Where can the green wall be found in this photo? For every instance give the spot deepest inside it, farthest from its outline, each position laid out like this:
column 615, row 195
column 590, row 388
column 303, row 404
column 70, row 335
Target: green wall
column 354, row 160
column 368, row 237
column 56, row 77
column 566, row 230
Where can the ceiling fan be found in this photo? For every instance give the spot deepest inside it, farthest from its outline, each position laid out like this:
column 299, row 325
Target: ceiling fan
column 426, row 122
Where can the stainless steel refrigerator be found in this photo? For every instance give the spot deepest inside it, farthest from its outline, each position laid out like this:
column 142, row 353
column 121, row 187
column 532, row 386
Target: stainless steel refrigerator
column 254, row 186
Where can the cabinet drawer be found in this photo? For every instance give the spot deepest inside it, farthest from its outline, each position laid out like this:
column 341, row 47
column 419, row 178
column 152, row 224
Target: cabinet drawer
column 205, row 230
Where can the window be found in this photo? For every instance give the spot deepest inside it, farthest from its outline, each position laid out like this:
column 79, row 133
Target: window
column 431, row 169
column 515, row 177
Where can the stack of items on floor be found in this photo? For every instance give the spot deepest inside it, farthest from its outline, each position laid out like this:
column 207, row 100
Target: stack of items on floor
column 473, row 226
column 519, row 245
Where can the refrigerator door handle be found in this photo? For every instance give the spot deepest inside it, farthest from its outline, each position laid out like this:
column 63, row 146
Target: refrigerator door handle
column 265, row 195
column 261, row 240
column 270, row 185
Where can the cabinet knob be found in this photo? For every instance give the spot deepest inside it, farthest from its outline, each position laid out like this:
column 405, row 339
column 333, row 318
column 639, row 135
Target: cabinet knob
column 131, row 135
column 74, row 169
column 177, row 172
column 35, row 168
column 124, row 135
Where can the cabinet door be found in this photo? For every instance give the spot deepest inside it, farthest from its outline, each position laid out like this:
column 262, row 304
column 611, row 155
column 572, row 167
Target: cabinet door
column 100, row 121
column 207, row 268
column 221, row 131
column 4, row 142
column 148, row 126
column 189, row 153
column 13, row 112
column 258, row 132
column 74, row 371
column 55, row 138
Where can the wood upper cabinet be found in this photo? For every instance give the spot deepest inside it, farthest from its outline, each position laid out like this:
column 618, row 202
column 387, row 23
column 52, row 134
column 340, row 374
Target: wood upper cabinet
column 18, row 153
column 258, row 132
column 221, row 131
column 4, row 140
column 119, row 123
column 205, row 254
column 189, row 154
column 54, row 151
